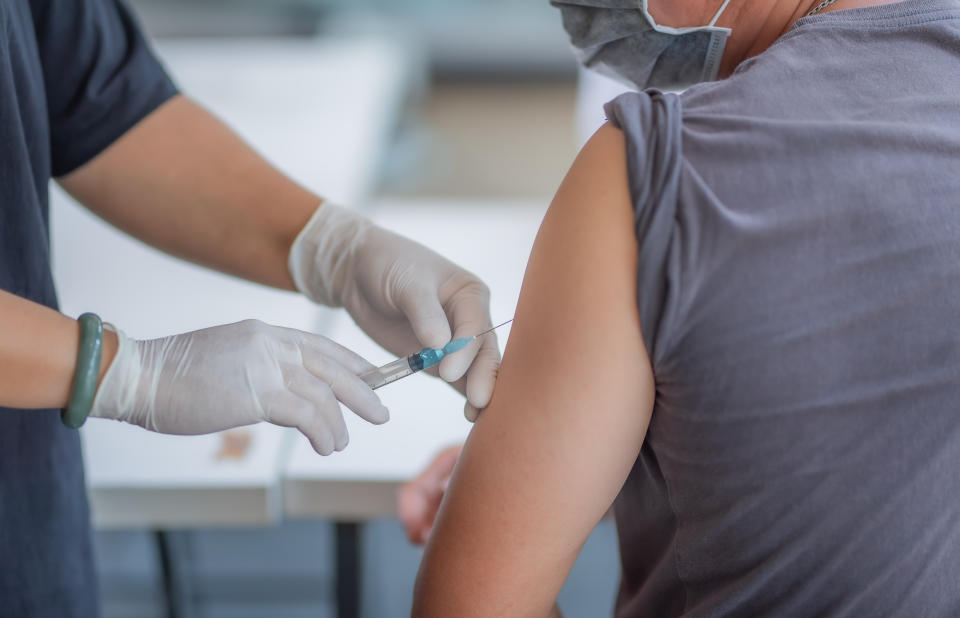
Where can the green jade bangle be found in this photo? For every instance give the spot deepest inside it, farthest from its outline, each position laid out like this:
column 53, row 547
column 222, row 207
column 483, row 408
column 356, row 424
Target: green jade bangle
column 88, row 371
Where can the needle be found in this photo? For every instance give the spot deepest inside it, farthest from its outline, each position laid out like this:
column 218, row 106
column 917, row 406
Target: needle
column 490, row 330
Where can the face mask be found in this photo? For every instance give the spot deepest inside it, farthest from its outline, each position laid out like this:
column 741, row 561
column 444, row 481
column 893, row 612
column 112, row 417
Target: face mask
column 620, row 39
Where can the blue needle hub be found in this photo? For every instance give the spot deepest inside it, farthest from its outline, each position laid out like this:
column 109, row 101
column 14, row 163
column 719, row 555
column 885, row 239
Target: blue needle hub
column 432, row 356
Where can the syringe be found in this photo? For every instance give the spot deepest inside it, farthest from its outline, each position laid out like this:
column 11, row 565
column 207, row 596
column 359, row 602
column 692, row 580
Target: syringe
column 427, row 357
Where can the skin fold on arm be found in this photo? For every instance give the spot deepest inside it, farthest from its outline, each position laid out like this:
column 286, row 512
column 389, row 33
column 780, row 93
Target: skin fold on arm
column 568, row 416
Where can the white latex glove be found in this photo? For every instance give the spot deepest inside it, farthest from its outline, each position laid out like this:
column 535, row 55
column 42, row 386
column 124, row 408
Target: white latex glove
column 238, row 374
column 402, row 294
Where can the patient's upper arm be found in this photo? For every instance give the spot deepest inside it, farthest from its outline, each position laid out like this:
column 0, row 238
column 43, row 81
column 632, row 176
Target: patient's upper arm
column 568, row 415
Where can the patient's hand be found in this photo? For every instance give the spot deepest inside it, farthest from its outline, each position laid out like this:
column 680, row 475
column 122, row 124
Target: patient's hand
column 419, row 500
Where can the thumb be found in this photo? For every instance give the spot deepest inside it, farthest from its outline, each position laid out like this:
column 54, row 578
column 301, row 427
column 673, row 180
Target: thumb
column 426, row 315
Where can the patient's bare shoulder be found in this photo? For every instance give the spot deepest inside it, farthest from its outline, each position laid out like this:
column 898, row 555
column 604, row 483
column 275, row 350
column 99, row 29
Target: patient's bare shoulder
column 568, row 415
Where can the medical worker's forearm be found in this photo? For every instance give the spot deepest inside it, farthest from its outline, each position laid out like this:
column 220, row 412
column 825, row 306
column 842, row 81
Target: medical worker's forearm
column 38, row 354
column 185, row 183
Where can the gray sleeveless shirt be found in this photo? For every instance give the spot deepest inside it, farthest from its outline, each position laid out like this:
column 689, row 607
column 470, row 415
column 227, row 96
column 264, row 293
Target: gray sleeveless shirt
column 799, row 291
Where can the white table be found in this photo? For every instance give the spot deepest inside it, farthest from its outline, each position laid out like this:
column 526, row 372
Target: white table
column 491, row 240
column 322, row 111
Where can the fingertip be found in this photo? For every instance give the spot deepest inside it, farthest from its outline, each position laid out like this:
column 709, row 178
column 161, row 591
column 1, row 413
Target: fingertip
column 453, row 367
column 412, row 536
column 479, row 395
column 342, row 442
column 470, row 412
column 362, row 400
column 323, row 447
column 480, row 383
column 482, row 374
column 416, row 536
column 380, row 416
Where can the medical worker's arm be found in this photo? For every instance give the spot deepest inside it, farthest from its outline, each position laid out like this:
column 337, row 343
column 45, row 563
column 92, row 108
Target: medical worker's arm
column 185, row 183
column 182, row 181
column 568, row 416
column 191, row 383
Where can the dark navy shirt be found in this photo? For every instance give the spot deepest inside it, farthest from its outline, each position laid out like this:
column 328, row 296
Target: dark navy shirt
column 74, row 76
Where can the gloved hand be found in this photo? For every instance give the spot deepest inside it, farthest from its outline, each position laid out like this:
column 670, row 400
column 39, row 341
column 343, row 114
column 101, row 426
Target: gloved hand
column 402, row 294
column 419, row 500
column 238, row 374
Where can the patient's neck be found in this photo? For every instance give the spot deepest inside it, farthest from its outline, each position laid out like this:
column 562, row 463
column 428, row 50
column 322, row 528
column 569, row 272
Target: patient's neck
column 756, row 24
column 840, row 5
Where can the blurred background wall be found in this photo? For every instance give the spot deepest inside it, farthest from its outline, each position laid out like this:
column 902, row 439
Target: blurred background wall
column 487, row 117
column 499, row 75
column 491, row 37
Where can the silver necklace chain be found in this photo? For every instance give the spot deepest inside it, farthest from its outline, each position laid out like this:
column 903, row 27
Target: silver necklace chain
column 820, row 7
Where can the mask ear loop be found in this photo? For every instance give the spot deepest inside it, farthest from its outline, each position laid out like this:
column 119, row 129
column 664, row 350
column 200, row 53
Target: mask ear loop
column 644, row 7
column 716, row 17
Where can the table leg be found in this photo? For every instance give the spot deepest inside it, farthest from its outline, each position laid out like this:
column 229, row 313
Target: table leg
column 349, row 569
column 176, row 589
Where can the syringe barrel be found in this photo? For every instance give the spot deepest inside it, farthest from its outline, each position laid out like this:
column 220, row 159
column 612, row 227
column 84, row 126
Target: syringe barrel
column 391, row 372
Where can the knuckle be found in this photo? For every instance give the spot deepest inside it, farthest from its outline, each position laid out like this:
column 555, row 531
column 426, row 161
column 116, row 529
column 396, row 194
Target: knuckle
column 466, row 284
column 480, row 289
column 398, row 280
column 259, row 334
column 322, row 367
column 490, row 354
column 327, row 400
column 253, row 325
column 290, row 349
column 345, row 384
